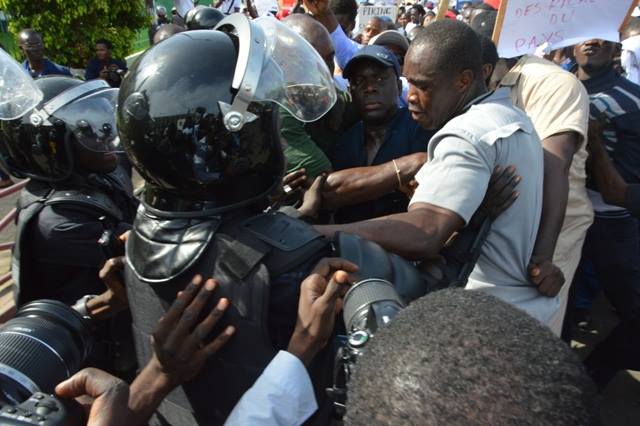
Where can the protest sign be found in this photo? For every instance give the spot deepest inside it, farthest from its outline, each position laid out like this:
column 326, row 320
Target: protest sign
column 524, row 25
column 367, row 12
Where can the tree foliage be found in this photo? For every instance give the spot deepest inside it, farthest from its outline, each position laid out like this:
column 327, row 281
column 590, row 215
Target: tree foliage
column 69, row 28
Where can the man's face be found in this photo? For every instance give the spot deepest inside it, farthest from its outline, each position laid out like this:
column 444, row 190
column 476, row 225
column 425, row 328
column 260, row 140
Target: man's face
column 416, row 16
column 102, row 52
column 93, row 161
column 403, row 20
column 375, row 90
column 594, row 55
column 32, row 47
column 434, row 96
column 372, row 29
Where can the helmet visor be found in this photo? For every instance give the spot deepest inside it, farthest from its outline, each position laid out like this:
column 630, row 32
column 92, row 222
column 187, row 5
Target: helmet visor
column 293, row 74
column 18, row 92
column 92, row 120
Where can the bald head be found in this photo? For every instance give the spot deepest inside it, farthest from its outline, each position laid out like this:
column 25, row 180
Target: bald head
column 166, row 31
column 374, row 27
column 27, row 34
column 31, row 45
column 315, row 33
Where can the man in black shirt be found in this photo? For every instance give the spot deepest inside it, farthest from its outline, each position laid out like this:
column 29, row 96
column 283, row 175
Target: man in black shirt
column 103, row 66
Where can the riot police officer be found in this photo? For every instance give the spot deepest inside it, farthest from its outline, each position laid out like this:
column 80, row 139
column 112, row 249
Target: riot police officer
column 66, row 145
column 197, row 117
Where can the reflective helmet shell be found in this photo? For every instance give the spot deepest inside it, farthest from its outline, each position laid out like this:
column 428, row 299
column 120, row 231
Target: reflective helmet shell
column 205, row 18
column 170, row 122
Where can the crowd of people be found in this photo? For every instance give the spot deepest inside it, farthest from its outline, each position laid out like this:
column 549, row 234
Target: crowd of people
column 288, row 157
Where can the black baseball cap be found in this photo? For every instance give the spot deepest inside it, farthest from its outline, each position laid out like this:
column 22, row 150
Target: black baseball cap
column 379, row 54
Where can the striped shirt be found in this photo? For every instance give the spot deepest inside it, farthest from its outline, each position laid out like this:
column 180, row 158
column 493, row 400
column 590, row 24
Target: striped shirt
column 617, row 100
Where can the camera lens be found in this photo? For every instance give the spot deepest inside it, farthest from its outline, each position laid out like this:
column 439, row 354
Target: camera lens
column 370, row 303
column 44, row 344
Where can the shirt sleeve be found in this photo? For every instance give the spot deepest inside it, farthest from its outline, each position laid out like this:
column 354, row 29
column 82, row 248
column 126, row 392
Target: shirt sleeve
column 282, row 396
column 345, row 47
column 300, row 150
column 557, row 104
column 456, row 176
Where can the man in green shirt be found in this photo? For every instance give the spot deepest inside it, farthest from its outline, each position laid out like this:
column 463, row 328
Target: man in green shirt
column 307, row 145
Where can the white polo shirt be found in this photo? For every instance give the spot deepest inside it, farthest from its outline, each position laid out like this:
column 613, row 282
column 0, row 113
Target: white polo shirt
column 462, row 156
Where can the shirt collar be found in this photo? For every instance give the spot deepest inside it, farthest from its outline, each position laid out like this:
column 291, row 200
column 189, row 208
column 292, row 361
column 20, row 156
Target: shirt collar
column 601, row 82
column 511, row 78
column 47, row 65
column 479, row 99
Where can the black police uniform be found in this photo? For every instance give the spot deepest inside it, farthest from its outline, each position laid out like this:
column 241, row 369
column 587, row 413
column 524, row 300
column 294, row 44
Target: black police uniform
column 56, row 254
column 201, row 213
column 63, row 211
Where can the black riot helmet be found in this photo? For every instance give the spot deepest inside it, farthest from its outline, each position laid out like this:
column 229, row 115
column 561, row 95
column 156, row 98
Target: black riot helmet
column 37, row 137
column 188, row 17
column 203, row 18
column 197, row 114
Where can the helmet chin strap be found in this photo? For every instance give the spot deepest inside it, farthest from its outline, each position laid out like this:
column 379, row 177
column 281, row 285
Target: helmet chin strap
column 40, row 117
column 251, row 54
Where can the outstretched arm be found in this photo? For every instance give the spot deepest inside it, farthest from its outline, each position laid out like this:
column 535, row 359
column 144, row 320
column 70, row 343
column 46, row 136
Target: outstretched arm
column 359, row 184
column 418, row 234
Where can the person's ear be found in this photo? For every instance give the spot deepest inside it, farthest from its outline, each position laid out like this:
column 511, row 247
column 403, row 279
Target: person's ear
column 465, row 80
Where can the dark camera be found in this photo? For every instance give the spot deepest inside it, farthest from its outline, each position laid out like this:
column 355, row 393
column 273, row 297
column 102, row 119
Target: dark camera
column 44, row 344
column 368, row 305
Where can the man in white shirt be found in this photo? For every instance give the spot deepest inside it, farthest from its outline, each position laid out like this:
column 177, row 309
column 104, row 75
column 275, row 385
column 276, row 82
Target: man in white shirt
column 479, row 132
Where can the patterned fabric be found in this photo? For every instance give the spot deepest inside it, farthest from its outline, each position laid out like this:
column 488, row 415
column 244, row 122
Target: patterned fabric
column 616, row 100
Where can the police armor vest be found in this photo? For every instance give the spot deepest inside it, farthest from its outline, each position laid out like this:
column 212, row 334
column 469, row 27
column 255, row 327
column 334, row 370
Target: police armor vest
column 257, row 266
column 73, row 195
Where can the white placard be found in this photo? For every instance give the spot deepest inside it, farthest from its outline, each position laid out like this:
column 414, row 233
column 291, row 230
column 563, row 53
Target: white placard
column 365, row 13
column 528, row 24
